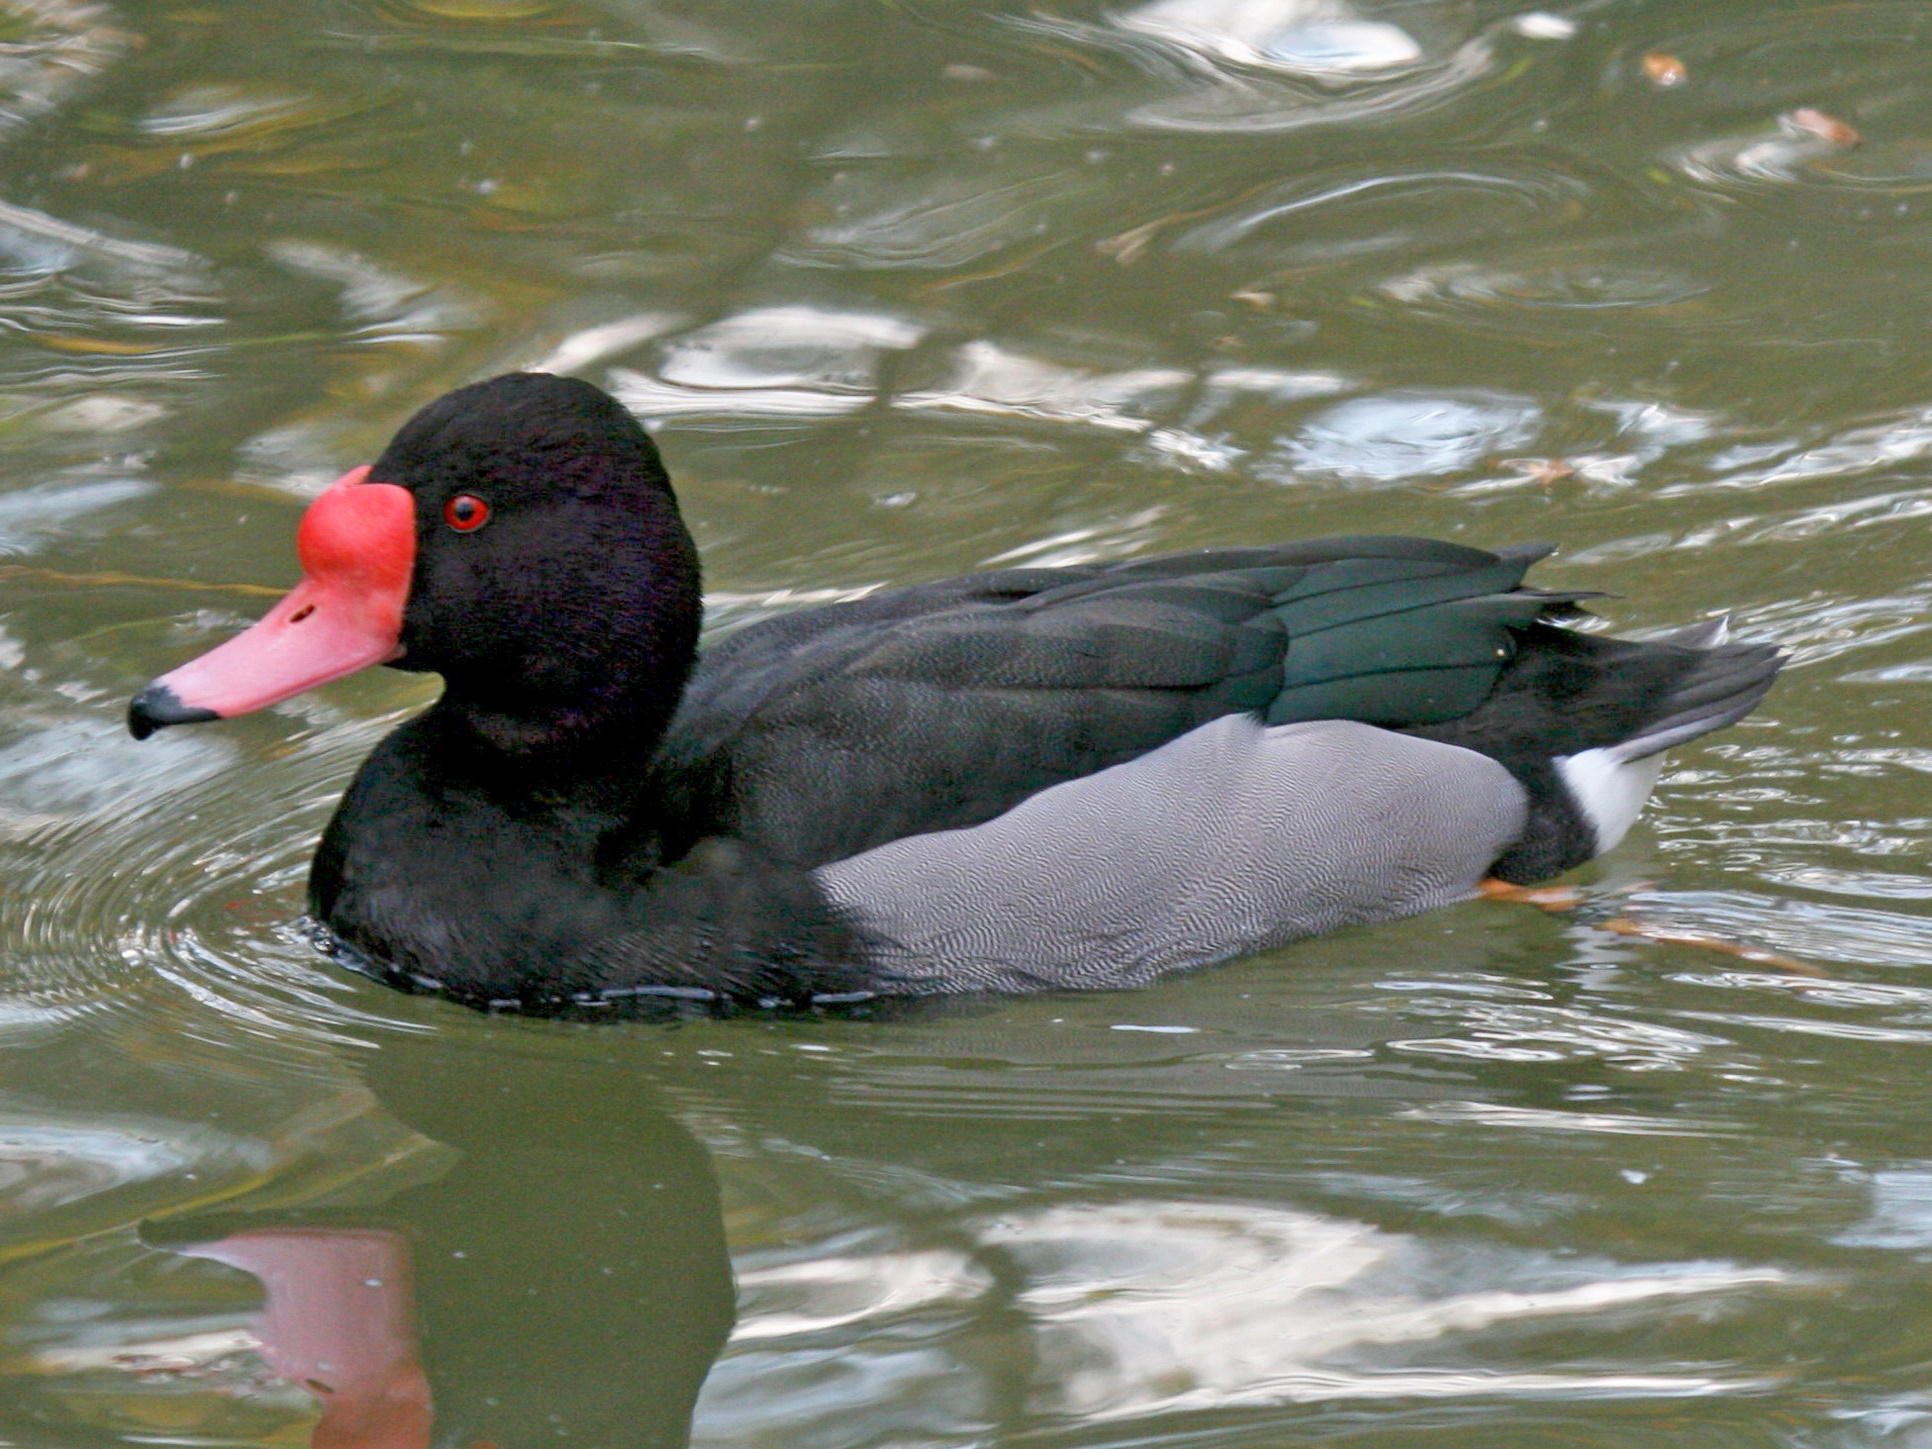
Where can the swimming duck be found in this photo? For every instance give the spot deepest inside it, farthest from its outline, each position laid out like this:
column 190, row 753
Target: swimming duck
column 1025, row 779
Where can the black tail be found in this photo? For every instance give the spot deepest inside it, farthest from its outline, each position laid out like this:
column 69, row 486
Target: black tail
column 1724, row 683
column 1567, row 692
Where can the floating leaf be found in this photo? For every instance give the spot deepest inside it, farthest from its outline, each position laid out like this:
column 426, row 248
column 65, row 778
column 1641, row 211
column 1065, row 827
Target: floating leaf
column 1664, row 70
column 1824, row 127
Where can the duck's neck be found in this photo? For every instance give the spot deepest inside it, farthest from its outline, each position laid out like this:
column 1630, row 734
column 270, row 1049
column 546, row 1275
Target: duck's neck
column 601, row 708
column 610, row 728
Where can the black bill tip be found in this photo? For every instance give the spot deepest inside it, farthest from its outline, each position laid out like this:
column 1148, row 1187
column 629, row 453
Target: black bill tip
column 155, row 708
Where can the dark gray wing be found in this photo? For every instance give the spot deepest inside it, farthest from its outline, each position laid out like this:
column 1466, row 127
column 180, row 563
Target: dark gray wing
column 821, row 734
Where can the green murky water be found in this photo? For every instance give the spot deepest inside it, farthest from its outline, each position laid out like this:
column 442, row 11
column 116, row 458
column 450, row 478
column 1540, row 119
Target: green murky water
column 907, row 288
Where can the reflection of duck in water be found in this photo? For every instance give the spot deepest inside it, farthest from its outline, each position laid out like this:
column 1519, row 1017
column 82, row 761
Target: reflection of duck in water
column 538, row 1230
column 1031, row 778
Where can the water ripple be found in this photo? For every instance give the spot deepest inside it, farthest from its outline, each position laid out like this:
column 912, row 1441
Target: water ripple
column 1862, row 446
column 47, row 1164
column 1395, row 436
column 772, row 362
column 34, row 516
column 1206, row 67
column 130, row 321
column 1144, row 1308
column 987, row 378
column 1554, row 1034
column 1261, row 107
column 1355, row 213
column 210, row 118
column 1543, row 1119
column 1590, row 283
column 939, row 223
column 1808, row 930
column 1287, row 35
column 540, row 29
column 1787, row 152
column 64, row 243
column 57, row 49
column 131, row 908
column 1820, row 628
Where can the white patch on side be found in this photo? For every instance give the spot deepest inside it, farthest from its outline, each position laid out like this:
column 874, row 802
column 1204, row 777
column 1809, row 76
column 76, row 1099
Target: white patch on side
column 1609, row 790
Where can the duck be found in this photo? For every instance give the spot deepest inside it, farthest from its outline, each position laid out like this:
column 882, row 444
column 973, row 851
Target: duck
column 1018, row 780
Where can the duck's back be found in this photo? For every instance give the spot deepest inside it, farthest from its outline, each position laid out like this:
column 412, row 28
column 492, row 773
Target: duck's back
column 824, row 734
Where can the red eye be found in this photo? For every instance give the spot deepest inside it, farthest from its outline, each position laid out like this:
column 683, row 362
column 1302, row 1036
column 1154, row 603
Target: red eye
column 466, row 513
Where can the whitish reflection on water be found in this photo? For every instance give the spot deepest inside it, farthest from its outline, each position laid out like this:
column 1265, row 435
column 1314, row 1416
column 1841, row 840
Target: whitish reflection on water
column 905, row 289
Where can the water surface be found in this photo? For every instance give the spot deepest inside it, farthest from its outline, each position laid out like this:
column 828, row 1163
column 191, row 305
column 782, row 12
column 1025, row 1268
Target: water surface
column 905, row 289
